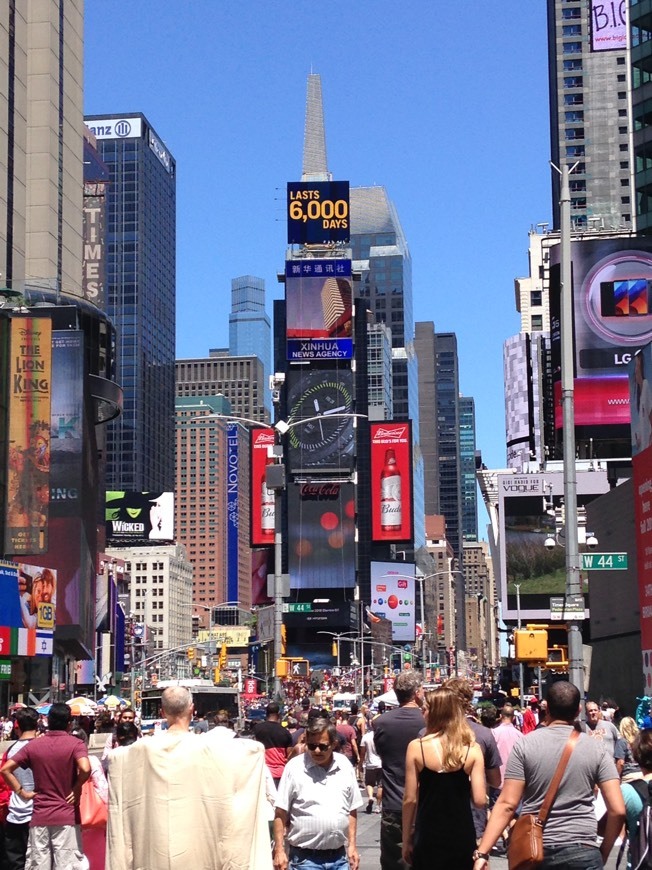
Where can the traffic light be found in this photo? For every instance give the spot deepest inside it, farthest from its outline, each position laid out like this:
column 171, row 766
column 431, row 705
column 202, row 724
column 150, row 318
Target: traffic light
column 531, row 644
column 284, row 639
column 190, row 653
column 300, row 668
column 216, row 675
column 282, row 667
column 557, row 658
column 334, row 649
column 223, row 653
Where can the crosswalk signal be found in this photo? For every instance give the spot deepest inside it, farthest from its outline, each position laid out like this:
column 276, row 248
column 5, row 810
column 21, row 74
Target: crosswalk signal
column 557, row 659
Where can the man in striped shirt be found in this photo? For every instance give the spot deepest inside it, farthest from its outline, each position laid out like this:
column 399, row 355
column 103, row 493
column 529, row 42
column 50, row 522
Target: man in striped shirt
column 317, row 804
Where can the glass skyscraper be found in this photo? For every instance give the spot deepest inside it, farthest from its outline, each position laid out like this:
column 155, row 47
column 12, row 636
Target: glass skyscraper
column 467, row 470
column 250, row 328
column 141, row 283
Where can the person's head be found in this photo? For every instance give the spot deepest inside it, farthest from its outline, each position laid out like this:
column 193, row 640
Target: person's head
column 126, row 733
column 628, row 728
column 222, row 719
column 26, row 719
column 533, row 703
column 177, row 705
column 59, row 717
column 593, row 713
column 563, row 702
column 407, row 687
column 78, row 732
column 354, row 709
column 445, row 716
column 488, row 715
column 642, row 750
column 382, row 706
column 463, row 689
column 272, row 711
column 127, row 715
column 321, row 738
column 507, row 714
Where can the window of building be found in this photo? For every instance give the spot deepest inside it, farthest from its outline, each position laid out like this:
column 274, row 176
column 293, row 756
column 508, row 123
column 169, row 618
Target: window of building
column 535, row 297
column 572, row 48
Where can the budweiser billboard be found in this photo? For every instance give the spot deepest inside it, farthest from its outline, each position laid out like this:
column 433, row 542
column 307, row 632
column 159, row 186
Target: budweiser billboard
column 391, row 481
column 261, row 498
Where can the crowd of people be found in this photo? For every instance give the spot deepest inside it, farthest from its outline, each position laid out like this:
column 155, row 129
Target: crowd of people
column 447, row 776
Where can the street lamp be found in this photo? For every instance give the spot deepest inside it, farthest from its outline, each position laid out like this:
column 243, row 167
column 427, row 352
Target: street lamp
column 277, row 482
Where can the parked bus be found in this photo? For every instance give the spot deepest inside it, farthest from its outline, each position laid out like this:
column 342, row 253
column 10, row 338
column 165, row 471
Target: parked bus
column 206, row 697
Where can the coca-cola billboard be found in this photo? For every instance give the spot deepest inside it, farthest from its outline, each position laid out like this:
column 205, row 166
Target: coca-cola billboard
column 391, row 481
column 321, row 535
column 261, row 498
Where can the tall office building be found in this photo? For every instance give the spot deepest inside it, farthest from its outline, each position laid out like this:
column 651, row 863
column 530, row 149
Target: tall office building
column 141, row 284
column 467, row 469
column 250, row 329
column 590, row 113
column 238, row 378
column 641, row 66
column 424, row 345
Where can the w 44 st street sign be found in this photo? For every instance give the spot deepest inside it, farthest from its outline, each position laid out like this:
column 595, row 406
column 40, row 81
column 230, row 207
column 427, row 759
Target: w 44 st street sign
column 604, row 561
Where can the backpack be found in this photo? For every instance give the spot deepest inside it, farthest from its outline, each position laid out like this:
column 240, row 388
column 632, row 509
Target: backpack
column 640, row 850
column 5, row 791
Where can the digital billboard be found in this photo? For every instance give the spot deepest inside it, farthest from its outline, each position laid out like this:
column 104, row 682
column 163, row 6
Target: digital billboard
column 608, row 25
column 393, row 597
column 67, row 423
column 321, row 535
column 322, row 397
column 640, row 399
column 391, row 481
column 612, row 318
column 140, row 516
column 527, row 506
column 319, row 309
column 232, row 510
column 318, row 212
column 262, row 500
column 27, row 502
column 27, row 609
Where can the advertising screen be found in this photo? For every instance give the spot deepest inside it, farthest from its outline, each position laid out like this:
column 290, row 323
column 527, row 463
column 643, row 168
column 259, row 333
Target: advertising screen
column 391, row 481
column 640, row 399
column 608, row 25
column 262, row 499
column 321, row 535
column 318, row 212
column 66, row 426
column 27, row 609
column 642, row 464
column 393, row 596
column 319, row 309
column 141, row 516
column 28, row 468
column 325, row 442
column 232, row 510
column 527, row 505
column 612, row 318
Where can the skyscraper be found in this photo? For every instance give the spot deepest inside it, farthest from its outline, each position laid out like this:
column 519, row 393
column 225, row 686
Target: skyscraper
column 141, row 284
column 424, row 345
column 467, row 470
column 590, row 114
column 250, row 330
column 238, row 378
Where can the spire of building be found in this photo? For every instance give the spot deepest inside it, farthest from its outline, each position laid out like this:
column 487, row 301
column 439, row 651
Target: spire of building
column 315, row 164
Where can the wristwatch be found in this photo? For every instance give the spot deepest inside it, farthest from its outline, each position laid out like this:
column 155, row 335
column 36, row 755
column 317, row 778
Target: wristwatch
column 477, row 854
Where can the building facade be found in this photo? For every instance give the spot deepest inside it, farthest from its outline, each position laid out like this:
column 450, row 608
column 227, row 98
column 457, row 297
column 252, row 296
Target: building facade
column 239, row 379
column 141, row 298
column 250, row 328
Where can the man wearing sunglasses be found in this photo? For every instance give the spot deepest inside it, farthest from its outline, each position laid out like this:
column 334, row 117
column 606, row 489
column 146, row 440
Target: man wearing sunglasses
column 317, row 804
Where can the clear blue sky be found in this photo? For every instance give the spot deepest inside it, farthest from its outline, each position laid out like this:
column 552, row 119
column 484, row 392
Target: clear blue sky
column 445, row 103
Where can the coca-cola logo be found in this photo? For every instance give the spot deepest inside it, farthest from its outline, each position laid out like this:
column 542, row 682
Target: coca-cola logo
column 320, row 490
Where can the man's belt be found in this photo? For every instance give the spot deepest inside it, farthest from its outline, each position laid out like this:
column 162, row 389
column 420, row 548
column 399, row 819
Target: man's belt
column 320, row 854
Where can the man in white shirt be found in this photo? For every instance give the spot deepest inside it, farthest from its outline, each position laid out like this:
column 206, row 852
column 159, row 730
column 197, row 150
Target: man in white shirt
column 317, row 804
column 20, row 807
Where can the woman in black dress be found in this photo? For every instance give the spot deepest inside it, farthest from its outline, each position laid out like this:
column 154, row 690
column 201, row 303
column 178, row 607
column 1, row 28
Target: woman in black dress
column 444, row 771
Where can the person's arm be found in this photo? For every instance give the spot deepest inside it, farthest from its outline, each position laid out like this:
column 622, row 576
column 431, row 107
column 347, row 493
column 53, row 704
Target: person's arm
column 501, row 816
column 492, row 775
column 352, row 849
column 7, row 772
column 613, row 799
column 279, row 857
column 83, row 772
column 478, row 779
column 410, row 796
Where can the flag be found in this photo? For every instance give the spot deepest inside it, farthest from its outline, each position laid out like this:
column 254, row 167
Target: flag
column 43, row 643
column 23, row 641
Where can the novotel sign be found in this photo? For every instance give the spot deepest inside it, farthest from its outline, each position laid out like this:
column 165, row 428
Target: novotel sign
column 115, row 128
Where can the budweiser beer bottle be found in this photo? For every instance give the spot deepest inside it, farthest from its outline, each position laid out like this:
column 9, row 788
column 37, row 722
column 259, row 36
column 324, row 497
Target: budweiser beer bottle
column 391, row 506
column 267, row 507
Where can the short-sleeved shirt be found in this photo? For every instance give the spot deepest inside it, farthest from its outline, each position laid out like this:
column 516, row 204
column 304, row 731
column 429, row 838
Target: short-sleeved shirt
column 505, row 735
column 392, row 733
column 53, row 761
column 534, row 760
column 20, row 811
column 347, row 736
column 623, row 751
column 607, row 733
column 318, row 801
column 276, row 739
column 371, row 758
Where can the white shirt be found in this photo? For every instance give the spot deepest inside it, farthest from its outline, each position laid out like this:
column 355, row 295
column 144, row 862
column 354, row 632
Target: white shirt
column 318, row 801
column 371, row 758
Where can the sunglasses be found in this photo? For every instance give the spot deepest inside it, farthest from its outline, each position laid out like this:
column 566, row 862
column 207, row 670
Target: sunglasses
column 323, row 747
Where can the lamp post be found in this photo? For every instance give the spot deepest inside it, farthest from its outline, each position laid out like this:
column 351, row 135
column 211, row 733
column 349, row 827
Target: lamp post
column 276, row 480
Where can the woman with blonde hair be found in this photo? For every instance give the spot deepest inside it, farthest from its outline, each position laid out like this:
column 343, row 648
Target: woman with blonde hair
column 444, row 771
column 626, row 764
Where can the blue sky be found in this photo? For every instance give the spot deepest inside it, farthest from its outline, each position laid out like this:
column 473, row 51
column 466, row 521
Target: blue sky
column 444, row 103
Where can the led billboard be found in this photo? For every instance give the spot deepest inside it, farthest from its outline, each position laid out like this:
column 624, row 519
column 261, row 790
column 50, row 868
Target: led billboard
column 393, row 597
column 391, row 481
column 527, row 506
column 321, row 535
column 325, row 442
column 612, row 318
column 27, row 501
column 608, row 25
column 262, row 502
column 27, row 609
column 140, row 516
column 319, row 310
column 640, row 399
column 318, row 212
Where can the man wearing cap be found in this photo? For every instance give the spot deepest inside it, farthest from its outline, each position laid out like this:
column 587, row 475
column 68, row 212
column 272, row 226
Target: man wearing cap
column 317, row 804
column 531, row 715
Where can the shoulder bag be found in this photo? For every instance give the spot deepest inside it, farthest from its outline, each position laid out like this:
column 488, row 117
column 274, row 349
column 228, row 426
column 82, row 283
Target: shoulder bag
column 525, row 849
column 93, row 812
